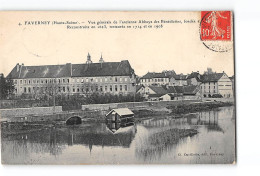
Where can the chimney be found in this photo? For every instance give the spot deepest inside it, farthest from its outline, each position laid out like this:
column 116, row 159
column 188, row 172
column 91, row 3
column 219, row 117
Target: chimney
column 17, row 67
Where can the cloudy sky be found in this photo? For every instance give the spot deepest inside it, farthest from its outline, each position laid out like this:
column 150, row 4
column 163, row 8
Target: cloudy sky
column 175, row 46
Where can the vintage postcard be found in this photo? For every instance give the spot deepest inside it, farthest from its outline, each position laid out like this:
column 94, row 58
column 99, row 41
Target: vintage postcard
column 117, row 87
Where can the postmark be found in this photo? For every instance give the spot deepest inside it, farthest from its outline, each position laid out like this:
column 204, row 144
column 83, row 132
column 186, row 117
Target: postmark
column 216, row 30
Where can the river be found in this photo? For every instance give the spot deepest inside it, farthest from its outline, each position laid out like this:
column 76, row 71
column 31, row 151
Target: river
column 145, row 142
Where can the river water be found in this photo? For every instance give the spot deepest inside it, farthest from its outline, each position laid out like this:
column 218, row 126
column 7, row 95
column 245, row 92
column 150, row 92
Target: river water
column 145, row 142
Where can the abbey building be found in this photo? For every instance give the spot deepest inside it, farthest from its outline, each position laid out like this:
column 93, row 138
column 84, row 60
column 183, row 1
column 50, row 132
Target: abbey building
column 89, row 77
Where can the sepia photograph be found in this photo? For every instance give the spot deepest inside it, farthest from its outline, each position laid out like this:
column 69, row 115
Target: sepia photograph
column 117, row 87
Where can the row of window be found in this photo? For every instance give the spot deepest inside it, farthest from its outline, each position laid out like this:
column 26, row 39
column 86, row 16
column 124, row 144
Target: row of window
column 67, row 80
column 154, row 80
column 77, row 89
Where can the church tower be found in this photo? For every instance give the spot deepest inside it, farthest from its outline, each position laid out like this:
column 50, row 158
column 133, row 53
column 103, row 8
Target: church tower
column 101, row 60
column 89, row 59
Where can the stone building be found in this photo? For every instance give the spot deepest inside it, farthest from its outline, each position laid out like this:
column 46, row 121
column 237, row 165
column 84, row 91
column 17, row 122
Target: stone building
column 156, row 79
column 216, row 83
column 89, row 77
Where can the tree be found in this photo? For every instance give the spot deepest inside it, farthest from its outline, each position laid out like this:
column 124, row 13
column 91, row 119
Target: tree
column 6, row 87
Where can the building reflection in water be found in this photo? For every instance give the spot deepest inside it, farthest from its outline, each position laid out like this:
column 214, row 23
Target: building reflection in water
column 154, row 139
column 54, row 140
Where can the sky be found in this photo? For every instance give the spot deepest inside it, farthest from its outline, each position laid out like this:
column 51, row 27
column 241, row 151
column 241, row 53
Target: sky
column 175, row 46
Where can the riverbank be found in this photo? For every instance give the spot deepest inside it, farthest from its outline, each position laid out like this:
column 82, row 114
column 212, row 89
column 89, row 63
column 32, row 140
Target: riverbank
column 97, row 113
column 178, row 110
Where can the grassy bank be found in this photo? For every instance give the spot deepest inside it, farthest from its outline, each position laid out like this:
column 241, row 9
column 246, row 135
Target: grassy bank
column 179, row 109
column 196, row 107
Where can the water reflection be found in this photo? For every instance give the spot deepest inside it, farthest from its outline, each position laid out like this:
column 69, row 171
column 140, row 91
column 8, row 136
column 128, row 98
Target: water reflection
column 150, row 141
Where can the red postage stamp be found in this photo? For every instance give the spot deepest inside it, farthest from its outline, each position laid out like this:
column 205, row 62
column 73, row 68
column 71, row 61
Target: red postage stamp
column 215, row 25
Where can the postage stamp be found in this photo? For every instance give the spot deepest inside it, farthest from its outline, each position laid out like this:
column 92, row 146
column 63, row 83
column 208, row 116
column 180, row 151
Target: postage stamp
column 215, row 25
column 216, row 30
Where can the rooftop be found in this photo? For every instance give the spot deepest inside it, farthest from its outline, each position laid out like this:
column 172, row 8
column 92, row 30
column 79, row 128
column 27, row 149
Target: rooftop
column 122, row 68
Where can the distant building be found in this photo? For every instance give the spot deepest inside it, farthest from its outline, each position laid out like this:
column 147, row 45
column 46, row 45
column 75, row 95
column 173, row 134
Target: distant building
column 232, row 78
column 216, row 83
column 89, row 77
column 191, row 92
column 153, row 78
column 178, row 80
column 194, row 78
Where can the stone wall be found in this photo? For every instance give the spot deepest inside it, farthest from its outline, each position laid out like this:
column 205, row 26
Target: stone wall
column 20, row 112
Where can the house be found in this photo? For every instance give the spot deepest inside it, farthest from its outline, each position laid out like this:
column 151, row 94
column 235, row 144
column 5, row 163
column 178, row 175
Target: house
column 232, row 78
column 89, row 77
column 122, row 115
column 191, row 92
column 153, row 78
column 216, row 84
column 178, row 80
column 153, row 93
column 194, row 78
column 140, row 89
column 168, row 97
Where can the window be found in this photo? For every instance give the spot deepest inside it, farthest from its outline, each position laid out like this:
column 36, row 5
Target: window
column 105, row 79
column 63, row 88
column 87, row 89
column 24, row 90
column 115, row 79
column 120, row 79
column 101, row 88
column 46, row 81
column 125, row 79
column 21, row 81
column 105, row 88
column 68, row 89
column 121, row 87
column 78, row 80
column 15, row 81
column 111, row 88
column 125, row 87
column 116, row 88
column 77, row 89
column 96, row 79
column 96, row 88
column 68, row 80
column 86, row 79
column 24, row 81
column 29, row 90
column 59, row 80
column 73, row 89
column 82, row 80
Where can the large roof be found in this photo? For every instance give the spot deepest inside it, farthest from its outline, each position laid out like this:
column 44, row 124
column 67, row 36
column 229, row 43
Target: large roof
column 185, row 90
column 122, row 68
column 166, row 74
column 158, row 89
column 180, row 77
column 213, row 77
